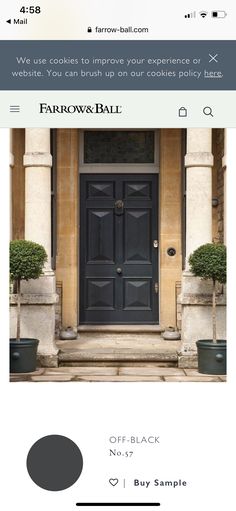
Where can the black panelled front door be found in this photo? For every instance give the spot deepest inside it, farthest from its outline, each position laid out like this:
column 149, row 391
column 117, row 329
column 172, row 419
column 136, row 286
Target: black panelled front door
column 119, row 262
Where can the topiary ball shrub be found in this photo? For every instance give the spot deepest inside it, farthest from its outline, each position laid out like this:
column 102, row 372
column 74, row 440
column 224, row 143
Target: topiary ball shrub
column 209, row 262
column 27, row 260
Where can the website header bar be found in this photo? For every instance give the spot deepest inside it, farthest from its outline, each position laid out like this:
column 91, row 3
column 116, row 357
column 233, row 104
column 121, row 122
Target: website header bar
column 117, row 109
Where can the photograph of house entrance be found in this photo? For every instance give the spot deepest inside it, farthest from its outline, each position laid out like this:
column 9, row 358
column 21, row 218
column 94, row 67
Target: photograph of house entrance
column 118, row 212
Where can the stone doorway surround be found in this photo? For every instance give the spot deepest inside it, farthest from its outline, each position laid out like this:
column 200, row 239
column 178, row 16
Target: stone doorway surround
column 69, row 160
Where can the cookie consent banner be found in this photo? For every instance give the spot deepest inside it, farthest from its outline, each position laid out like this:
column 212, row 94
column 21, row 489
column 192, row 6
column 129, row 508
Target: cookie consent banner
column 117, row 65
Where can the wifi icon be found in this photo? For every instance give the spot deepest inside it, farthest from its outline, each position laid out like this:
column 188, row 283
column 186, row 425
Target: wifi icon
column 203, row 14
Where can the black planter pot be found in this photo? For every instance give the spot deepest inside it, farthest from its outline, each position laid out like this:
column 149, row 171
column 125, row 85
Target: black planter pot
column 23, row 355
column 211, row 357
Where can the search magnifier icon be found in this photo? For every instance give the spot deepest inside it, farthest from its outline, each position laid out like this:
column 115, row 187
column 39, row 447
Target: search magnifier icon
column 207, row 110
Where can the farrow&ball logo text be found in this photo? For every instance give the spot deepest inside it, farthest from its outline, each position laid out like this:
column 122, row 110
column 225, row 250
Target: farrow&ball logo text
column 96, row 108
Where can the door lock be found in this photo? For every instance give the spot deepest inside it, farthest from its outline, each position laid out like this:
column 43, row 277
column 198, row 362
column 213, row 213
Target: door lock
column 155, row 243
column 156, row 287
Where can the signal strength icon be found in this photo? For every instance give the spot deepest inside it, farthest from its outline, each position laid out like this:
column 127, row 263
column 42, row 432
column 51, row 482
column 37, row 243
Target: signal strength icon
column 203, row 14
column 190, row 15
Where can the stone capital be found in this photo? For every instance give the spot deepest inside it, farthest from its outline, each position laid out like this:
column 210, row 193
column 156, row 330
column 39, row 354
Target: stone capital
column 38, row 160
column 199, row 159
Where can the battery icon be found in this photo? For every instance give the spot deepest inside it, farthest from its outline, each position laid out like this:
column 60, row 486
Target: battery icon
column 218, row 14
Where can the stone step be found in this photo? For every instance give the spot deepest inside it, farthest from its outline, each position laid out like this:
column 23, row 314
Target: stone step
column 72, row 357
column 111, row 364
column 117, row 348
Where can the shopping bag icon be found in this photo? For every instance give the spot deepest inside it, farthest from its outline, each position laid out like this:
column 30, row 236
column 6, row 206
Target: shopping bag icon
column 183, row 112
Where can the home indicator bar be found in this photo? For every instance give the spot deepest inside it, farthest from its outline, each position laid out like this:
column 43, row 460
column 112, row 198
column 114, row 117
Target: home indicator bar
column 119, row 504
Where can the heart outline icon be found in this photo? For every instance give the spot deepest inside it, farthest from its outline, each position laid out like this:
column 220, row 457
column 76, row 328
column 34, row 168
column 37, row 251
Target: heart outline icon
column 113, row 481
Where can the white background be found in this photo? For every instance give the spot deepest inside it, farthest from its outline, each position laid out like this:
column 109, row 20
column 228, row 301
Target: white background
column 190, row 419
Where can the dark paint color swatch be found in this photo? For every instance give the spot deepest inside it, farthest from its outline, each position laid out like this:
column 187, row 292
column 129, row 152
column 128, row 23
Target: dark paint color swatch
column 54, row 462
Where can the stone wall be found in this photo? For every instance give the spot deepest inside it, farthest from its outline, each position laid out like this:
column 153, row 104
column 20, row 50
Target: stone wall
column 170, row 226
column 67, row 222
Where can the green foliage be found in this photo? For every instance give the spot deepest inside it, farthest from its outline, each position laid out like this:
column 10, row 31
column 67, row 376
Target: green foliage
column 26, row 260
column 209, row 262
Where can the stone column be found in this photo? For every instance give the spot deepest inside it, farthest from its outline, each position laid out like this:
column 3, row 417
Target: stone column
column 38, row 162
column 39, row 296
column 198, row 162
column 196, row 293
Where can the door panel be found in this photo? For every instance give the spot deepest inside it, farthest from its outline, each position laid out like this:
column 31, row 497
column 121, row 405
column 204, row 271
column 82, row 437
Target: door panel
column 100, row 237
column 140, row 190
column 137, row 294
column 100, row 190
column 100, row 294
column 137, row 237
column 118, row 263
